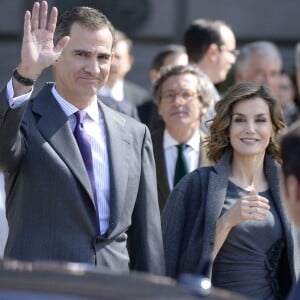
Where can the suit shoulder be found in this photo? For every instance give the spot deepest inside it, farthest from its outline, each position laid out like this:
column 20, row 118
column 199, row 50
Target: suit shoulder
column 120, row 117
column 135, row 87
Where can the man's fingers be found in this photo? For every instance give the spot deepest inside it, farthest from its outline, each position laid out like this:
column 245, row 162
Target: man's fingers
column 35, row 16
column 62, row 44
column 52, row 20
column 27, row 23
column 43, row 15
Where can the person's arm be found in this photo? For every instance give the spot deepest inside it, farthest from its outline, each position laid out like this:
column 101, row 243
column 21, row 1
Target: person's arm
column 145, row 236
column 249, row 207
column 38, row 51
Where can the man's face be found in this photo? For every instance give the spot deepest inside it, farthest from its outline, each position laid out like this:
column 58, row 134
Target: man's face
column 180, row 106
column 264, row 70
column 121, row 62
column 290, row 190
column 174, row 59
column 226, row 56
column 84, row 65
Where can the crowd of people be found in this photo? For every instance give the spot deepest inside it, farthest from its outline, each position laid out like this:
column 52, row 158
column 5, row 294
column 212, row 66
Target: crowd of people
column 95, row 169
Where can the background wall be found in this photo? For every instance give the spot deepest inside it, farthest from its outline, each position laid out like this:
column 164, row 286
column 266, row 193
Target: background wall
column 154, row 23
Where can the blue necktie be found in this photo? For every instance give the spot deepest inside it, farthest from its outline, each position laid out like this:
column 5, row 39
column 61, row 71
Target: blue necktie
column 85, row 149
column 180, row 168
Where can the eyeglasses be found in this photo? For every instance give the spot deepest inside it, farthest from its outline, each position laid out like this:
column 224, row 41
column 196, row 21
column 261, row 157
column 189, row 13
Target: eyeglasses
column 234, row 52
column 185, row 95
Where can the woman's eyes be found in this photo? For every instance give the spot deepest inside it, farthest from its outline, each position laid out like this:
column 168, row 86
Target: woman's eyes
column 239, row 120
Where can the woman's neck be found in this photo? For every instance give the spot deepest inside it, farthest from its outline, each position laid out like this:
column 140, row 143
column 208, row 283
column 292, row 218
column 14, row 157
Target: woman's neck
column 248, row 173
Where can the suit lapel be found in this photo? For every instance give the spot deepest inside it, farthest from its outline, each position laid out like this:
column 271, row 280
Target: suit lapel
column 54, row 126
column 119, row 145
column 162, row 179
column 217, row 188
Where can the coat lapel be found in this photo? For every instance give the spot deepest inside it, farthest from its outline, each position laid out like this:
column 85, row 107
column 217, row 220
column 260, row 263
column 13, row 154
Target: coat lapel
column 119, row 146
column 272, row 174
column 162, row 179
column 54, row 126
column 217, row 188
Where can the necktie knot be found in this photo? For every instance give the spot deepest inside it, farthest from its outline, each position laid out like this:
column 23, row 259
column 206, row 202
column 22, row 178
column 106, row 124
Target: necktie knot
column 181, row 147
column 80, row 115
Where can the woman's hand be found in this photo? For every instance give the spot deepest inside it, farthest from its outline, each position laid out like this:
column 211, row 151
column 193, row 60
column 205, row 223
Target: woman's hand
column 250, row 207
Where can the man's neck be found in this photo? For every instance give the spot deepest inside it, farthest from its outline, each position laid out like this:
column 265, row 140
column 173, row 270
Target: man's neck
column 182, row 135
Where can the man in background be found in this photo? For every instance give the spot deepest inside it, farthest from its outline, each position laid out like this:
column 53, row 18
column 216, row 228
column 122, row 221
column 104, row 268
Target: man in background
column 124, row 94
column 211, row 45
column 182, row 97
column 259, row 62
column 170, row 55
column 290, row 182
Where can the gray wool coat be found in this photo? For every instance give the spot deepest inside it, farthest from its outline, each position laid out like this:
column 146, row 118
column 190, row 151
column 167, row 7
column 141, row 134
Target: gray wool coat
column 192, row 210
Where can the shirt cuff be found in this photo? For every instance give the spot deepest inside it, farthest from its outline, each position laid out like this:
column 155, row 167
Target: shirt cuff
column 17, row 101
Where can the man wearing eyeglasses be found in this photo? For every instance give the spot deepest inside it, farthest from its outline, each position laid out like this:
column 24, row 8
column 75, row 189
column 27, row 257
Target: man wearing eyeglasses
column 182, row 96
column 211, row 45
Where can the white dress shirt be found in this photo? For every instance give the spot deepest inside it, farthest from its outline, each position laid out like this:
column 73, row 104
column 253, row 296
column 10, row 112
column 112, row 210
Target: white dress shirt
column 95, row 128
column 116, row 92
column 191, row 154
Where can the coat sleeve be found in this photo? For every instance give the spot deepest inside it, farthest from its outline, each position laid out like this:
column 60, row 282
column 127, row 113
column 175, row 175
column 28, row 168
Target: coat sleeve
column 12, row 140
column 145, row 236
column 181, row 215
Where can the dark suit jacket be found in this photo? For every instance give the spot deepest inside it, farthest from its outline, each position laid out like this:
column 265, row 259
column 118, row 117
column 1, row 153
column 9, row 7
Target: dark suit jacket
column 50, row 206
column 124, row 107
column 163, row 188
column 193, row 208
column 148, row 114
column 134, row 93
column 295, row 293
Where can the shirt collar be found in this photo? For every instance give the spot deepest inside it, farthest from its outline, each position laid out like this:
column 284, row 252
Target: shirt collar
column 69, row 109
column 193, row 142
column 116, row 92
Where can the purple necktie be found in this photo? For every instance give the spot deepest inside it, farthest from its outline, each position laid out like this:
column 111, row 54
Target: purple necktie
column 84, row 145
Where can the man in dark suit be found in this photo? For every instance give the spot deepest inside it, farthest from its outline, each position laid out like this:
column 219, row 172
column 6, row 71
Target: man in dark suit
column 88, row 202
column 117, row 87
column 182, row 97
column 290, row 182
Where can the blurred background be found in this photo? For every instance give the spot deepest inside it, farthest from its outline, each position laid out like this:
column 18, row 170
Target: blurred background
column 154, row 23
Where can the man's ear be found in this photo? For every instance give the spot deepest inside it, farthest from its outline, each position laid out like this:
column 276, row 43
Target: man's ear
column 293, row 190
column 212, row 53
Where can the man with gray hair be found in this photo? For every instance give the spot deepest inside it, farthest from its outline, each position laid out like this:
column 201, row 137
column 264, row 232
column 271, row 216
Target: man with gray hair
column 182, row 95
column 259, row 62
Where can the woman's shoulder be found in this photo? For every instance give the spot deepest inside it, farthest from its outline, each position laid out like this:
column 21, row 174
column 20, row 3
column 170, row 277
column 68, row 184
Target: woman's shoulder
column 195, row 179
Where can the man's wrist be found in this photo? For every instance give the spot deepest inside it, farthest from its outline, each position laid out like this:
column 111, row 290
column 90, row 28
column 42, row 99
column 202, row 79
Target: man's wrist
column 21, row 79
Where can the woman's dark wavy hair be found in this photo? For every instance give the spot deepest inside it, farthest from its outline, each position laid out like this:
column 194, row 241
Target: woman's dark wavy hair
column 218, row 141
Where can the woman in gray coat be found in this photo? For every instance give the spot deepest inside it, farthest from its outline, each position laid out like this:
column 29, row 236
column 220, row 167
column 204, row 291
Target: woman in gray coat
column 232, row 213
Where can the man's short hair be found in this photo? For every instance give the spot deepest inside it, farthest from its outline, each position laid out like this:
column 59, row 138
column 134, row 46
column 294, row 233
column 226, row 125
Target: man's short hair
column 200, row 34
column 88, row 17
column 159, row 59
column 205, row 95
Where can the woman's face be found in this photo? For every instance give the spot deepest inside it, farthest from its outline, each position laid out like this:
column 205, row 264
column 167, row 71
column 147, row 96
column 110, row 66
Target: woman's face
column 251, row 127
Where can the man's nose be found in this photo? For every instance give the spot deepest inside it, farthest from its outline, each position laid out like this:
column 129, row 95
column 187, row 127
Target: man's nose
column 92, row 67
